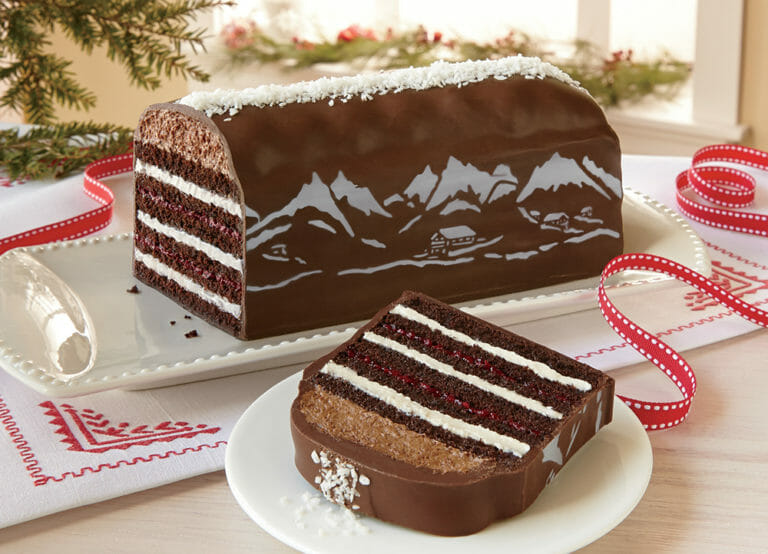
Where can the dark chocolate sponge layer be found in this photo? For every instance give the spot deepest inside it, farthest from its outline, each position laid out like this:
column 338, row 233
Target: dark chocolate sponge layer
column 216, row 277
column 211, row 224
column 191, row 302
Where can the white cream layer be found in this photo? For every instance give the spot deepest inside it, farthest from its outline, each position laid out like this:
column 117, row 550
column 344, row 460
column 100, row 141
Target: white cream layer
column 368, row 85
column 474, row 380
column 224, row 258
column 408, row 406
column 188, row 187
column 540, row 369
column 186, row 283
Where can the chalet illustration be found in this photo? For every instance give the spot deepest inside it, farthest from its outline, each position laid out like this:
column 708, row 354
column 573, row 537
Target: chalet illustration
column 451, row 238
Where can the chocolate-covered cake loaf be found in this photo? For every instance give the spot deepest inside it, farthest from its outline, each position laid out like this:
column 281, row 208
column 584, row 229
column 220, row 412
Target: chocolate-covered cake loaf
column 284, row 208
column 436, row 420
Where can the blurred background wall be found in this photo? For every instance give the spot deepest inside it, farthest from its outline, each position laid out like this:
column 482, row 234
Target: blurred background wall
column 753, row 109
column 119, row 102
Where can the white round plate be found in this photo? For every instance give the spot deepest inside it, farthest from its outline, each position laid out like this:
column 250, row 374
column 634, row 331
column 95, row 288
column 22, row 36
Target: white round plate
column 593, row 493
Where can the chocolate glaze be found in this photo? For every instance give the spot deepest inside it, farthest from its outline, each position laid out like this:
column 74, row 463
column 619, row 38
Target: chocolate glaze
column 382, row 145
column 452, row 503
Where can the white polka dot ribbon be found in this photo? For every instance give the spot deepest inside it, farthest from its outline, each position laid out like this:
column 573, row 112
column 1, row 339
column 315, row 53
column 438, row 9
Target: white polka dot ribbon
column 662, row 415
column 723, row 189
column 85, row 223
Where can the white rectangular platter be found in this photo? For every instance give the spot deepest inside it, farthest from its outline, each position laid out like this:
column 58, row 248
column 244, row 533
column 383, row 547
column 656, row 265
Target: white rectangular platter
column 138, row 347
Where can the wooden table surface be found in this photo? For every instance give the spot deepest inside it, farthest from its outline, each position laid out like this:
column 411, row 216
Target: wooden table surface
column 708, row 491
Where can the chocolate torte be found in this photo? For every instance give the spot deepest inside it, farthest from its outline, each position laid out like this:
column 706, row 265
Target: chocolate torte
column 438, row 421
column 285, row 208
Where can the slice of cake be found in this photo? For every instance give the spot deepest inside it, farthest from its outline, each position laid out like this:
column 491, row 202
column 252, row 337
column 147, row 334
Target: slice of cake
column 436, row 420
column 286, row 208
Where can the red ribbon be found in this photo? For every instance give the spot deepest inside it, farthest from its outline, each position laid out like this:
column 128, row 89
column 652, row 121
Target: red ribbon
column 724, row 188
column 83, row 224
column 662, row 415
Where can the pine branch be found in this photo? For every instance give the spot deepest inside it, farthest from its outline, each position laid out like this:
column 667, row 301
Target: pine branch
column 145, row 36
column 56, row 150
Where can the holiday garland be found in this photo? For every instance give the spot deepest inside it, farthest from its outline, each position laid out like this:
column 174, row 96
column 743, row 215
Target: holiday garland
column 612, row 80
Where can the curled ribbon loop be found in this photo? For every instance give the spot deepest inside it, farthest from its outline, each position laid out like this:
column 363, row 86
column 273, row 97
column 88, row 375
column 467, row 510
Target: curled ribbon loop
column 724, row 188
column 662, row 415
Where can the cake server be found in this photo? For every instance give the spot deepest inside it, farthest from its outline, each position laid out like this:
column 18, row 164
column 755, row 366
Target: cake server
column 44, row 319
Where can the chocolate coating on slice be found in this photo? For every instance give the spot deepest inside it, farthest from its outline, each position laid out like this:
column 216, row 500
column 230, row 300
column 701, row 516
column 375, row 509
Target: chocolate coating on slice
column 416, row 475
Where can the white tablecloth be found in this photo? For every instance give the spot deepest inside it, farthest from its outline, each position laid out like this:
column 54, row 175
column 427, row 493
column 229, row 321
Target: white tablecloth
column 60, row 454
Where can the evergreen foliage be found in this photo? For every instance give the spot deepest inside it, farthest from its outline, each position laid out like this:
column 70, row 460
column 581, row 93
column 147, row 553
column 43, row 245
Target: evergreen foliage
column 145, row 36
column 611, row 80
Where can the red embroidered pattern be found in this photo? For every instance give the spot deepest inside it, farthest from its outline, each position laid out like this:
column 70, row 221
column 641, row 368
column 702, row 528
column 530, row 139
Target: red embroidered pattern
column 738, row 283
column 87, row 431
column 39, row 477
column 735, row 256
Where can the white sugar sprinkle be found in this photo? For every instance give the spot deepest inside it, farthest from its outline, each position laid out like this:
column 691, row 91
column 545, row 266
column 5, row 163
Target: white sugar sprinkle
column 315, row 515
column 366, row 86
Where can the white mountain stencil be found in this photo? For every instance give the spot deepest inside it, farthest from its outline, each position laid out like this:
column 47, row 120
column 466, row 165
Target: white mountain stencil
column 265, row 236
column 610, row 181
column 506, row 183
column 358, row 197
column 555, row 173
column 320, row 224
column 458, row 176
column 314, row 194
column 409, row 224
column 373, row 242
column 459, row 195
column 422, row 185
column 392, row 199
column 500, row 190
column 595, row 233
column 458, row 205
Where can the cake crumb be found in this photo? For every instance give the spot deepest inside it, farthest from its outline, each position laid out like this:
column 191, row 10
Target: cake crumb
column 192, row 334
column 133, row 290
column 187, row 316
column 173, row 322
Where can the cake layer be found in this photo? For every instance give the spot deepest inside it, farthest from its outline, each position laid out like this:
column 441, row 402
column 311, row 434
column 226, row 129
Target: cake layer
column 187, row 175
column 511, row 447
column 190, row 262
column 453, row 433
column 449, row 395
column 210, row 224
column 547, row 364
column 347, row 420
column 551, row 396
column 214, row 308
column 189, row 218
column 168, row 139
